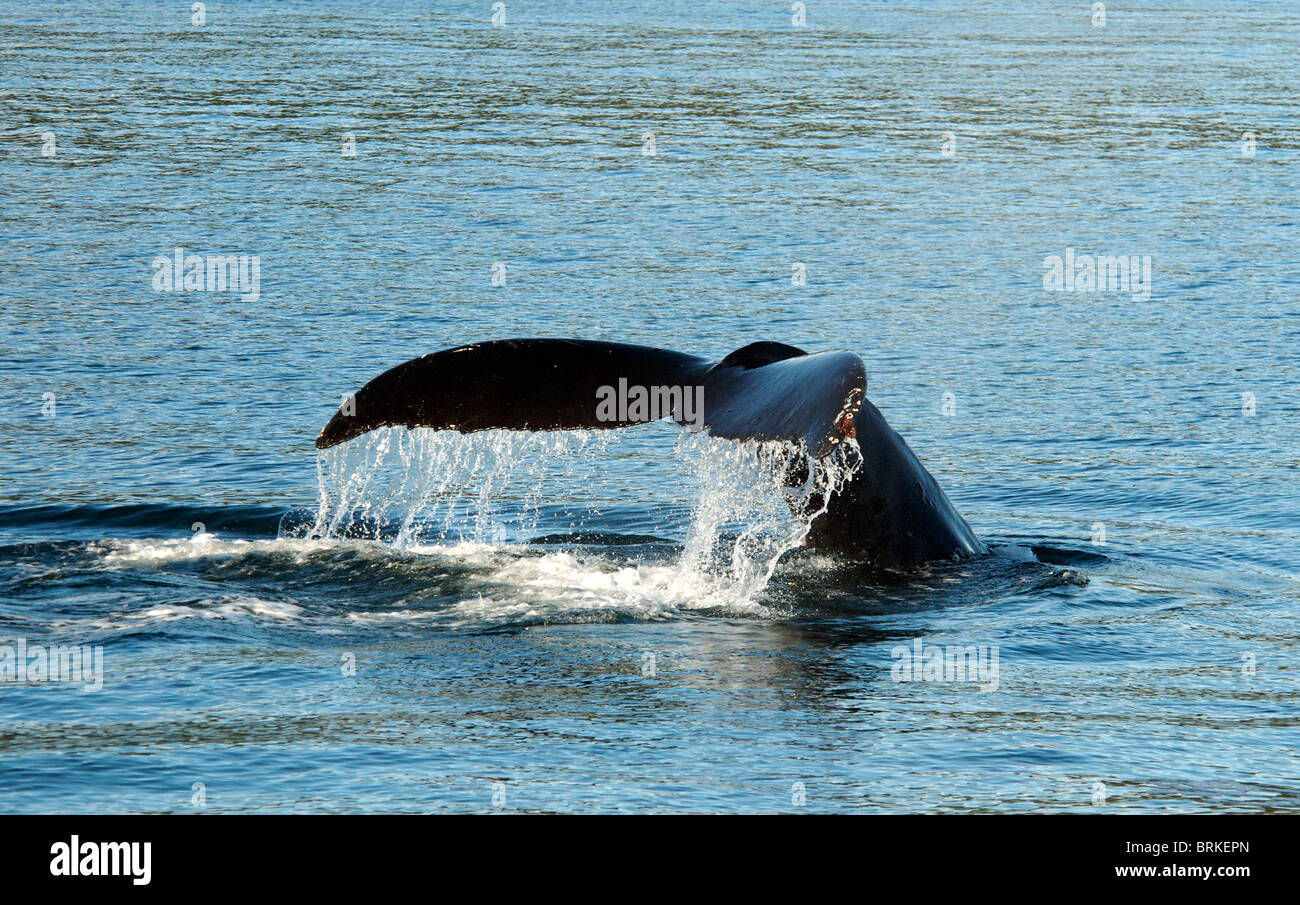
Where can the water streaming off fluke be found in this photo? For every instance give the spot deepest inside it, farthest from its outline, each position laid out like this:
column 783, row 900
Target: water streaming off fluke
column 408, row 490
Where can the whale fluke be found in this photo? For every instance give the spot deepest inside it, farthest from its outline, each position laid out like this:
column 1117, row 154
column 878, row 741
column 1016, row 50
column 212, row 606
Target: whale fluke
column 765, row 391
column 891, row 513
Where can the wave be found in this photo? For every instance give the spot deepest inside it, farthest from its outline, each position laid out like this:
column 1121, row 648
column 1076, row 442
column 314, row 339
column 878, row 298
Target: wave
column 141, row 519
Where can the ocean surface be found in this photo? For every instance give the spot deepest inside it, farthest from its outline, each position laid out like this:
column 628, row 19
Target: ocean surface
column 615, row 622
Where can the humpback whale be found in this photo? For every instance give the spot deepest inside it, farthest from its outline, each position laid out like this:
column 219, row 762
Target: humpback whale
column 891, row 513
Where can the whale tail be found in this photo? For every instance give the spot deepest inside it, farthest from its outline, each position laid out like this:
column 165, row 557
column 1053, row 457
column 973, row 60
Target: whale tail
column 765, row 391
column 891, row 513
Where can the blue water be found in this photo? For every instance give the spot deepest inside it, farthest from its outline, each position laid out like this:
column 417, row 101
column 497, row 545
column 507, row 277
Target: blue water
column 548, row 639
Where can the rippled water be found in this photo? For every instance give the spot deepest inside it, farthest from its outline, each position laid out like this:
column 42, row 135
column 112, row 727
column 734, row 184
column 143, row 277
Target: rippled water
column 563, row 642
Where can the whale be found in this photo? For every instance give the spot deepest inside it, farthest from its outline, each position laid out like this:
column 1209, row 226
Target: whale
column 889, row 514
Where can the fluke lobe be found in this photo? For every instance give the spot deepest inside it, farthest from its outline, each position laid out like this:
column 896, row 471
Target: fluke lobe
column 891, row 514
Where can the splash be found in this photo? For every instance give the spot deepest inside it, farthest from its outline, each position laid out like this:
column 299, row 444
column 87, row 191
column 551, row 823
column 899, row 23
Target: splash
column 753, row 502
column 422, row 486
column 751, row 510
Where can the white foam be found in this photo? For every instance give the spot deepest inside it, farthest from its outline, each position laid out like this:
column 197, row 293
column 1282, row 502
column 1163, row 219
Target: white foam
column 228, row 608
column 117, row 553
column 223, row 608
column 576, row 583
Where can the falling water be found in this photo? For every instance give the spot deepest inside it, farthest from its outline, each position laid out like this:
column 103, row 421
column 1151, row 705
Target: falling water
column 406, row 488
column 747, row 516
